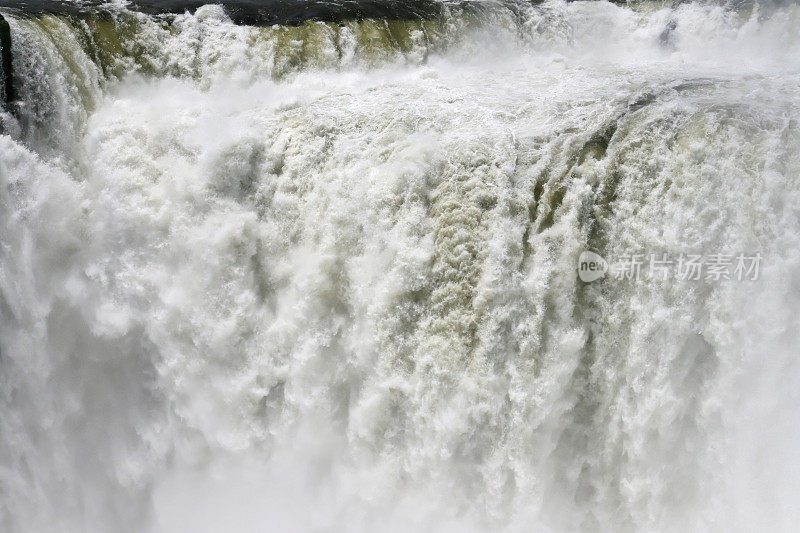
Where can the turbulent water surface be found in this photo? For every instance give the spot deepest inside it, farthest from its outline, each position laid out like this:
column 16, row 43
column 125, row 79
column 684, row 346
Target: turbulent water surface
column 321, row 275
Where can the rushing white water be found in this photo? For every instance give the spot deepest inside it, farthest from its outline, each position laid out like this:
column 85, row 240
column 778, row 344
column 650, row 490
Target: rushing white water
column 324, row 278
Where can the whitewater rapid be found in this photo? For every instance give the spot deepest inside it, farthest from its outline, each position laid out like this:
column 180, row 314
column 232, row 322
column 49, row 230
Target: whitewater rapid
column 324, row 277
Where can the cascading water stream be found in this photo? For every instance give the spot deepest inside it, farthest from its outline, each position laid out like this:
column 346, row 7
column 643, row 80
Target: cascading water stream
column 322, row 275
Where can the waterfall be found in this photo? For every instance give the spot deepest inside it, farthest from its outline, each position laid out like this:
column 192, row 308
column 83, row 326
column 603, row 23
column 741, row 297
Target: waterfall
column 318, row 267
